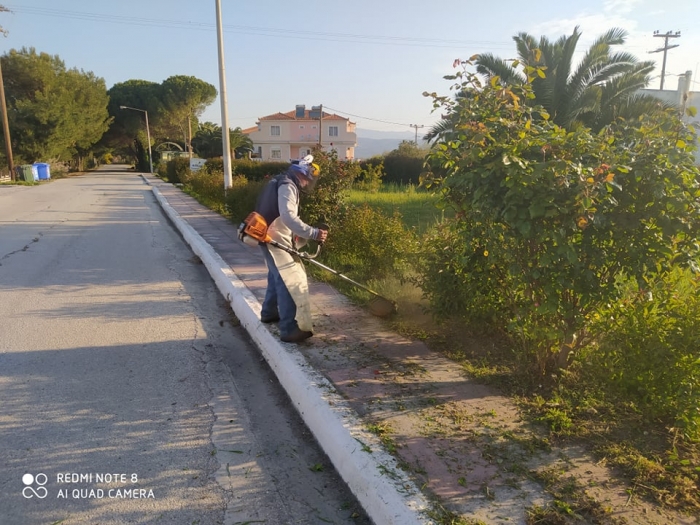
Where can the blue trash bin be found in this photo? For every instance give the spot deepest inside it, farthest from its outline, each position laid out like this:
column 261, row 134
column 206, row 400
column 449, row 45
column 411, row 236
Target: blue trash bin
column 43, row 170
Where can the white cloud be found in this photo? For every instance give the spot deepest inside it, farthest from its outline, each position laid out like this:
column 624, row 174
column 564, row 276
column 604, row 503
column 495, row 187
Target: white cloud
column 626, row 14
column 620, row 6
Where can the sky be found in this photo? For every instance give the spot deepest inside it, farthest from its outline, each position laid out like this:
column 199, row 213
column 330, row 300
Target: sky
column 368, row 60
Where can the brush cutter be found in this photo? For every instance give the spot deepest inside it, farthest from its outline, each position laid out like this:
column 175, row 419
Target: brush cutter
column 255, row 228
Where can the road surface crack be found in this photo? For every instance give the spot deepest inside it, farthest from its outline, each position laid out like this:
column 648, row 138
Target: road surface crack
column 23, row 249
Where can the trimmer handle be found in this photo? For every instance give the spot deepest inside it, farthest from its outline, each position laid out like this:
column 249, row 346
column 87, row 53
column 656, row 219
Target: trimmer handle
column 322, row 226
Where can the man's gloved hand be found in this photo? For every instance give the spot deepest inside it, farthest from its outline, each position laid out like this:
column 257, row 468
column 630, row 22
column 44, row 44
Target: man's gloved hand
column 322, row 232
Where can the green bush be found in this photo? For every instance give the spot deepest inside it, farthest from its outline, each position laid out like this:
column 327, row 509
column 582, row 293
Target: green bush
column 455, row 274
column 650, row 348
column 560, row 213
column 370, row 243
column 253, row 170
column 249, row 169
column 326, row 202
column 208, row 188
column 177, row 170
column 403, row 170
column 370, row 178
column 241, row 198
column 403, row 165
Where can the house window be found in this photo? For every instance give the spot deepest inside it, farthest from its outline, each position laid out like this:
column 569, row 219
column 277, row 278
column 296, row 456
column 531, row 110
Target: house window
column 276, row 153
column 332, row 131
column 275, row 131
column 301, row 127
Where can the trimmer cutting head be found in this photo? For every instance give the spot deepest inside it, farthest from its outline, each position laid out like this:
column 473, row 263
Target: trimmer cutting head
column 381, row 306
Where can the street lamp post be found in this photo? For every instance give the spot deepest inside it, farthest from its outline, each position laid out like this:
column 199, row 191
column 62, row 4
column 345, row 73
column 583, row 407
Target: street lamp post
column 148, row 134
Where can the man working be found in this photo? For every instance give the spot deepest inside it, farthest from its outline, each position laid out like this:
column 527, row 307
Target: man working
column 287, row 295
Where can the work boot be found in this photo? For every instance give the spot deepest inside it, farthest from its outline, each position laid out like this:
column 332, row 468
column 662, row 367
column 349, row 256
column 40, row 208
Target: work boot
column 296, row 336
column 269, row 318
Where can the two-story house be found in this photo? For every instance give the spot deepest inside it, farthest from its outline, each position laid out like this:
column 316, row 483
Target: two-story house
column 292, row 135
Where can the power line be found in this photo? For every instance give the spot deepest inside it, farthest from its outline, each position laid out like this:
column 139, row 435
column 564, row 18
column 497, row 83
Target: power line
column 254, row 30
column 370, row 118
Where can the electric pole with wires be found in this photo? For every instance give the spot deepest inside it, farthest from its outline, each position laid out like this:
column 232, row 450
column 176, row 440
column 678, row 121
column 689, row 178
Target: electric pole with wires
column 665, row 49
column 416, row 126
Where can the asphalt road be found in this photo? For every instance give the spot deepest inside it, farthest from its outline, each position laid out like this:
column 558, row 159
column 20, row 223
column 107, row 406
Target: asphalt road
column 128, row 394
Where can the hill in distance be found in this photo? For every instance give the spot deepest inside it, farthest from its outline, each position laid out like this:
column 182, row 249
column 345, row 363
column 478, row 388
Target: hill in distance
column 371, row 142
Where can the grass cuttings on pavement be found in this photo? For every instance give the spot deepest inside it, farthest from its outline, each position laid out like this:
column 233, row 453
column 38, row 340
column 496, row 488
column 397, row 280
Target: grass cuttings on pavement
column 657, row 464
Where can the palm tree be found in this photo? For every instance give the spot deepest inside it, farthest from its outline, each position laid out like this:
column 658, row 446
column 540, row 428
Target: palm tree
column 207, row 141
column 602, row 87
column 241, row 143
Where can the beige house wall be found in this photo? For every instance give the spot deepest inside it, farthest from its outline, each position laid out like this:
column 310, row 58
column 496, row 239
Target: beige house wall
column 287, row 138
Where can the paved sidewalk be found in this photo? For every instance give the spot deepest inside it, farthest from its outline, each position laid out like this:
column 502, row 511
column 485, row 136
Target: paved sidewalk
column 346, row 341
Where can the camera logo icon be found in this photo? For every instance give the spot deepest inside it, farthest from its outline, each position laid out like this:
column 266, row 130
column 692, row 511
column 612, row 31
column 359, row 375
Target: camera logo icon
column 29, row 491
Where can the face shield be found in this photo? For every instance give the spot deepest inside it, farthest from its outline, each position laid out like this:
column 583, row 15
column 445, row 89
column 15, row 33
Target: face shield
column 308, row 171
column 311, row 177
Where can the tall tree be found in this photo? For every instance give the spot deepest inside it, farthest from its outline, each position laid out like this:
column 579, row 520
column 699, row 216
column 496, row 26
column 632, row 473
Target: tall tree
column 128, row 132
column 168, row 106
column 601, row 87
column 54, row 113
column 184, row 99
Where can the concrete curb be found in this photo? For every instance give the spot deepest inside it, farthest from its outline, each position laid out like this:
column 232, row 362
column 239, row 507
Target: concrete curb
column 385, row 492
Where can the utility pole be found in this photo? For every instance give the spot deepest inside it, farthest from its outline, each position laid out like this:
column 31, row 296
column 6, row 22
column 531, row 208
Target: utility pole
column 228, row 176
column 3, row 104
column 665, row 49
column 320, row 127
column 189, row 137
column 416, row 126
column 6, row 129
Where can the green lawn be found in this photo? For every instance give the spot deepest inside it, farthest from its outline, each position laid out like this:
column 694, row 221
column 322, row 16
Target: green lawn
column 419, row 209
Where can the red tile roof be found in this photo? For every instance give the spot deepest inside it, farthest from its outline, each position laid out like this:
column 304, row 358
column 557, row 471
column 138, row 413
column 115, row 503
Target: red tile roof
column 291, row 115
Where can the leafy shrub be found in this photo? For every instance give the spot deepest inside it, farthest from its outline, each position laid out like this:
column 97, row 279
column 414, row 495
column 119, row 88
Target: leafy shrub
column 403, row 170
column 209, row 188
column 247, row 168
column 241, row 198
column 371, row 243
column 404, row 165
column 370, row 177
column 162, row 169
column 560, row 214
column 650, row 348
column 455, row 274
column 177, row 170
column 258, row 170
column 326, row 201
